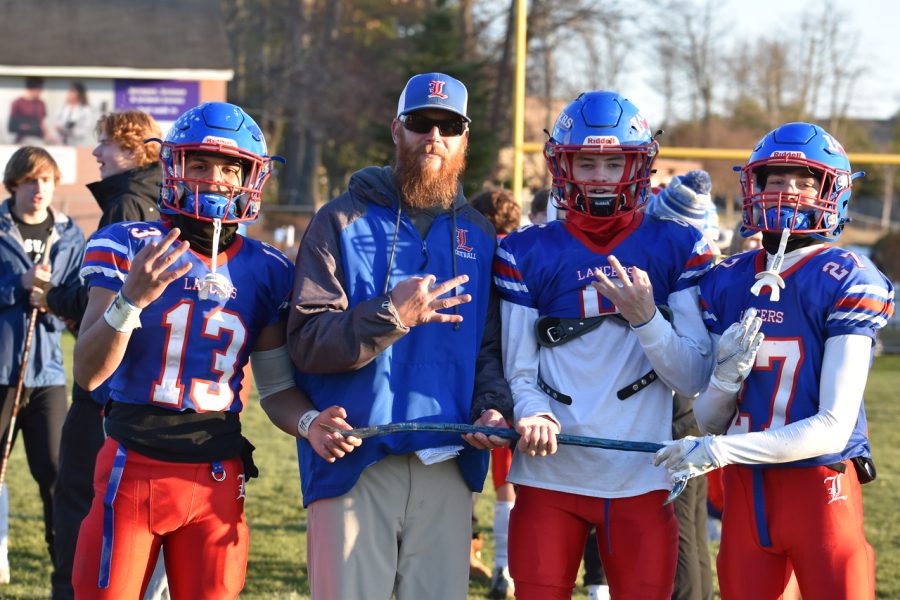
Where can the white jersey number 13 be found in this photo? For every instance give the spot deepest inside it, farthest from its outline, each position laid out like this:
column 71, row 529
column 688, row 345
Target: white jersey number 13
column 207, row 395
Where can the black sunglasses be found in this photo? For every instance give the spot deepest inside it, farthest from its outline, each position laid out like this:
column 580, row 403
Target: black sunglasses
column 419, row 124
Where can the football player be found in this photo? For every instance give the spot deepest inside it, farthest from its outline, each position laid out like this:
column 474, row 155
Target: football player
column 588, row 352
column 176, row 309
column 795, row 324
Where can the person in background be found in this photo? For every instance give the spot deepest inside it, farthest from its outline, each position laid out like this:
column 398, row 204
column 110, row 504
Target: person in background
column 794, row 326
column 501, row 209
column 505, row 214
column 743, row 241
column 39, row 246
column 27, row 114
column 687, row 198
column 75, row 121
column 579, row 297
column 394, row 319
column 537, row 213
column 128, row 190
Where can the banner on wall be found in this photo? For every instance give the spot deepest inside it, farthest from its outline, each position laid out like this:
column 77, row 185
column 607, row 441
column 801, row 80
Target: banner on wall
column 163, row 100
column 64, row 111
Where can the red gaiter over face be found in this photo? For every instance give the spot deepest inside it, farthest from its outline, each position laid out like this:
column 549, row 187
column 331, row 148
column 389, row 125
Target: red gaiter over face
column 601, row 234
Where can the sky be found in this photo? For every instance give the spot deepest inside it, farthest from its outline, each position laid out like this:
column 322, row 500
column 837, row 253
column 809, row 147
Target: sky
column 876, row 21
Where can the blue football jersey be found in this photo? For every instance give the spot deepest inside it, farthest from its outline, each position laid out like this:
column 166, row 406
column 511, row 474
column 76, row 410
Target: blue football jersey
column 827, row 293
column 547, row 268
column 190, row 353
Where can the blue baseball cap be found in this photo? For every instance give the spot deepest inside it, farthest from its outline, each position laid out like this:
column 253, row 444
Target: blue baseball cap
column 434, row 90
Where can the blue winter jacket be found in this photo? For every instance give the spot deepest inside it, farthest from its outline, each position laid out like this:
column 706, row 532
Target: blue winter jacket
column 352, row 350
column 45, row 362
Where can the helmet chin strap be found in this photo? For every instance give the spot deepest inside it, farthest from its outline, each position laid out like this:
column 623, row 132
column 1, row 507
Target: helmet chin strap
column 215, row 283
column 611, row 203
column 771, row 277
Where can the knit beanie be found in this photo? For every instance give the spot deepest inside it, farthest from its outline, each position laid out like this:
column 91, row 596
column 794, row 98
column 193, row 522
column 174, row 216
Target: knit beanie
column 687, row 198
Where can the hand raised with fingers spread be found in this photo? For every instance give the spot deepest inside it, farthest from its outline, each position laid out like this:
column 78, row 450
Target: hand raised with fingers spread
column 151, row 270
column 418, row 300
column 633, row 296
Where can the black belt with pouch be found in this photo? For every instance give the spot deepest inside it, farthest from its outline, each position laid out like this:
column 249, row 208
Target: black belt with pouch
column 556, row 331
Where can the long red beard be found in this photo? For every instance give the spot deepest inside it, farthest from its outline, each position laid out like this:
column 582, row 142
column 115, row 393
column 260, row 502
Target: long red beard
column 425, row 188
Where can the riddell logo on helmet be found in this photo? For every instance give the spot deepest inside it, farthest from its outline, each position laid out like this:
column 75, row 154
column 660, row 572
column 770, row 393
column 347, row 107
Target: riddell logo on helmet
column 212, row 139
column 788, row 154
column 601, row 140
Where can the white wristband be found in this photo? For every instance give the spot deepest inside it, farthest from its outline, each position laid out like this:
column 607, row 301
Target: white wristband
column 305, row 421
column 122, row 315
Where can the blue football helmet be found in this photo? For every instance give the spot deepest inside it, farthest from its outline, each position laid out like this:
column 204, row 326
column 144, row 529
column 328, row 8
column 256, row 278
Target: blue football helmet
column 601, row 123
column 215, row 128
column 791, row 148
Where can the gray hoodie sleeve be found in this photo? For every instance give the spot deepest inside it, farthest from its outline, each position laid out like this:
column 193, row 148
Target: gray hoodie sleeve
column 324, row 335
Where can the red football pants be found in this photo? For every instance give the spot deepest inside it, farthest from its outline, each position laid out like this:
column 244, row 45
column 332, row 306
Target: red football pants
column 501, row 461
column 814, row 519
column 637, row 538
column 181, row 507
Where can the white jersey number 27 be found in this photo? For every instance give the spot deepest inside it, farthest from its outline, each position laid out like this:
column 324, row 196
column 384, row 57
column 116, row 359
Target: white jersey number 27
column 785, row 355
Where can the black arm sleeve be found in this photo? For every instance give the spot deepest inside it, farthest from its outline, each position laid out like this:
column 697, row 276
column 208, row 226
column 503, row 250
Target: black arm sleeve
column 491, row 387
column 128, row 208
column 68, row 302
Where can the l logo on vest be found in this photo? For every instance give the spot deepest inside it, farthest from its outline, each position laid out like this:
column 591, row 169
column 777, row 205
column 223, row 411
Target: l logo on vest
column 462, row 248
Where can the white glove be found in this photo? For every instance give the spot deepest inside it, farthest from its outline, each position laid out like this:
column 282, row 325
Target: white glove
column 688, row 457
column 737, row 352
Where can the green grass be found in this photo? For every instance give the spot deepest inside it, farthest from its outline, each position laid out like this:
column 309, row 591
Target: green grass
column 277, row 567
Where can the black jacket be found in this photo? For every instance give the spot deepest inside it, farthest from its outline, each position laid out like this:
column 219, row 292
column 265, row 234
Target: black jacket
column 127, row 196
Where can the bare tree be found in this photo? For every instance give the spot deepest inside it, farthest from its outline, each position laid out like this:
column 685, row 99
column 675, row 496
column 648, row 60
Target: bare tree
column 801, row 77
column 688, row 39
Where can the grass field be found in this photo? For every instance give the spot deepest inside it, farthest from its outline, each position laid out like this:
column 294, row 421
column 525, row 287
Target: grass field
column 277, row 566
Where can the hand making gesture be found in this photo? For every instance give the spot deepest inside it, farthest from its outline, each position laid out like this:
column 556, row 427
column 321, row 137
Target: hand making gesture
column 150, row 272
column 633, row 296
column 418, row 300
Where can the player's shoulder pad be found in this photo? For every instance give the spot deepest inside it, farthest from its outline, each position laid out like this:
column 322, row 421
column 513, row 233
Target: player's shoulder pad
column 675, row 220
column 737, row 259
column 672, row 227
column 129, row 233
column 273, row 255
column 843, row 264
column 849, row 258
column 528, row 235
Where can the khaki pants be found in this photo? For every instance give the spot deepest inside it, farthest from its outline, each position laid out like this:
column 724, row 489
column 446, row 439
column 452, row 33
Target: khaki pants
column 403, row 528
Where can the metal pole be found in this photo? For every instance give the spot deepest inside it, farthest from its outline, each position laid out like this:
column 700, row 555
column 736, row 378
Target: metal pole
column 519, row 101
